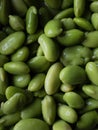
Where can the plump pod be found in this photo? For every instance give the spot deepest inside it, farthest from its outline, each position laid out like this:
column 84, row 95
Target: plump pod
column 94, row 20
column 61, row 125
column 16, row 67
column 74, row 100
column 52, row 81
column 49, row 47
column 94, row 6
column 49, row 109
column 31, row 20
column 53, row 28
column 67, row 113
column 73, row 75
column 28, row 124
column 11, row 43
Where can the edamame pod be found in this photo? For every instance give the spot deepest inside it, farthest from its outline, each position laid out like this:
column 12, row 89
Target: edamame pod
column 52, row 81
column 49, row 47
column 28, row 124
column 94, row 6
column 12, row 42
column 67, row 113
column 73, row 75
column 31, row 20
column 94, row 20
column 17, row 67
column 49, row 109
column 79, row 7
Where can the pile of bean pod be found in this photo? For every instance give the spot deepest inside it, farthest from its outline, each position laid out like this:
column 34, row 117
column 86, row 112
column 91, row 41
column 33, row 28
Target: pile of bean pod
column 48, row 64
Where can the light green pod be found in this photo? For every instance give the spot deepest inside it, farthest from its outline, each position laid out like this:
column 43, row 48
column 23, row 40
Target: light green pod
column 53, row 3
column 91, row 69
column 61, row 125
column 53, row 28
column 10, row 119
column 12, row 42
column 37, row 82
column 28, row 124
column 33, row 110
column 87, row 121
column 74, row 100
column 91, row 91
column 38, row 64
column 49, row 47
column 16, row 22
column 73, row 75
column 95, row 54
column 66, row 4
column 31, row 20
column 39, row 51
column 15, row 67
column 71, row 37
column 3, row 81
column 14, row 104
column 66, row 87
column 21, row 54
column 83, row 24
column 21, row 81
column 79, row 7
column 49, row 109
column 94, row 20
column 65, row 13
column 94, row 6
column 67, row 113
column 91, row 39
column 3, row 60
column 52, row 81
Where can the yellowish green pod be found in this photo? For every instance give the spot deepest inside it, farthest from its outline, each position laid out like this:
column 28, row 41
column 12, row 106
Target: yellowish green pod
column 52, row 81
column 16, row 67
column 94, row 20
column 94, row 6
column 12, row 42
column 66, row 87
column 28, row 124
column 31, row 20
column 79, row 7
column 49, row 47
column 49, row 109
column 67, row 113
column 37, row 82
column 61, row 125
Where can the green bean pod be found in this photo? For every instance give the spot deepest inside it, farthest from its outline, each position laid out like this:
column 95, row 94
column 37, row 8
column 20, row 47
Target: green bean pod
column 94, row 20
column 12, row 42
column 94, row 6
column 79, row 7
column 28, row 124
column 49, row 47
column 31, row 20
column 52, row 81
column 49, row 109
column 67, row 113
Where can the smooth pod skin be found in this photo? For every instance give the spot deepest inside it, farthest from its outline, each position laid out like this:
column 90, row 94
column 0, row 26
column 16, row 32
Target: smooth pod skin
column 74, row 100
column 87, row 121
column 65, row 13
column 67, row 113
column 16, row 67
column 52, row 81
column 49, row 47
column 49, row 109
column 31, row 20
column 38, row 64
column 21, row 54
column 73, row 75
column 33, row 110
column 21, row 81
column 79, row 7
column 91, row 37
column 16, row 22
column 12, row 42
column 61, row 125
column 28, row 124
column 66, row 87
column 91, row 91
column 95, row 54
column 94, row 6
column 71, row 37
column 94, row 20
column 53, row 28
column 37, row 82
column 84, row 24
column 91, row 69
